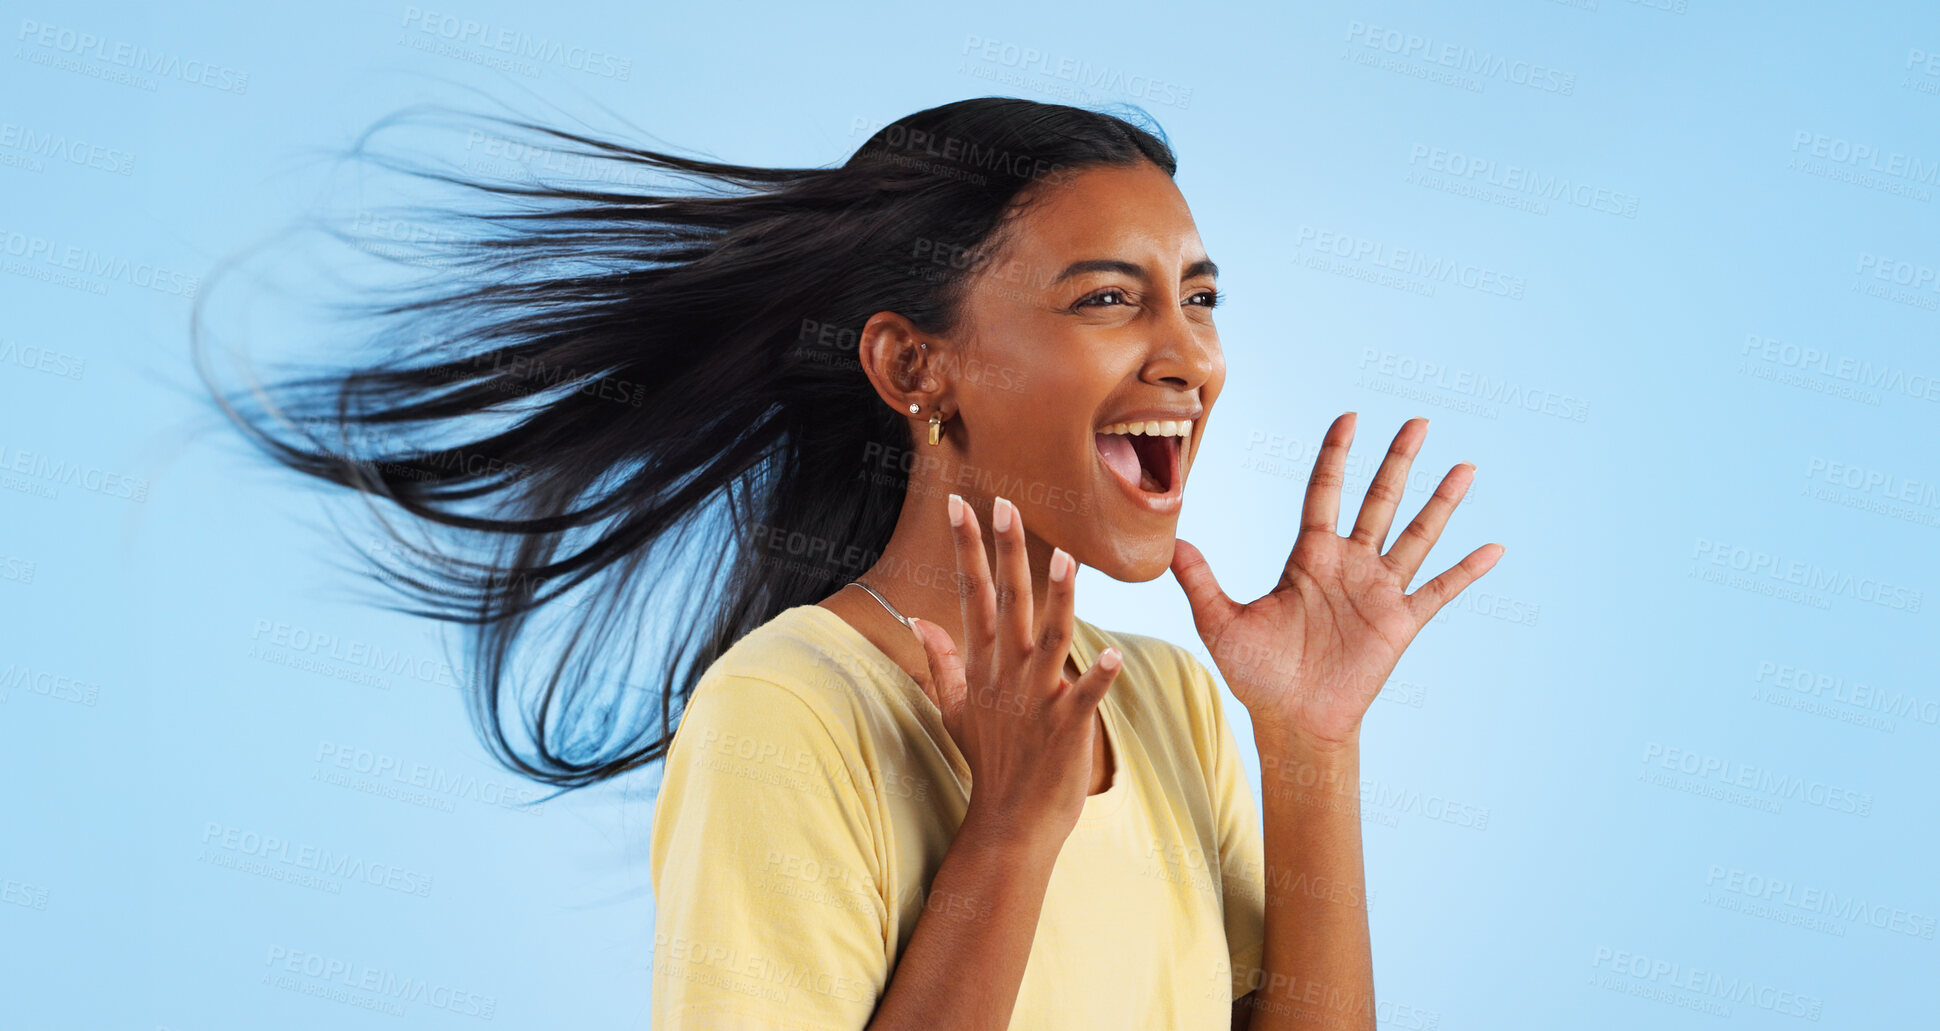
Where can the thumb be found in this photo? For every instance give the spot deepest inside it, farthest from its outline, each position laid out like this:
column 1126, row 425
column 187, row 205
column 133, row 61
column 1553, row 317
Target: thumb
column 946, row 687
column 1211, row 608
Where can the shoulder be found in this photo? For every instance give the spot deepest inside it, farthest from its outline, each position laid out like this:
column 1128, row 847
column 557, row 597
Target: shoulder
column 795, row 641
column 787, row 677
column 775, row 711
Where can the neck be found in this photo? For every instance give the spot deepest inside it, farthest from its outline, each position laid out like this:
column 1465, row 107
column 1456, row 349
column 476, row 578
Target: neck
column 917, row 568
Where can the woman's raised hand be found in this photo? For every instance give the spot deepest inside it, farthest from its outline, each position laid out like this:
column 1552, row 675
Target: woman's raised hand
column 1025, row 731
column 1309, row 657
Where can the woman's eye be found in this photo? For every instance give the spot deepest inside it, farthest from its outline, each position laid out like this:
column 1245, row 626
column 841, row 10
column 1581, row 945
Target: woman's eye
column 1099, row 298
column 1205, row 298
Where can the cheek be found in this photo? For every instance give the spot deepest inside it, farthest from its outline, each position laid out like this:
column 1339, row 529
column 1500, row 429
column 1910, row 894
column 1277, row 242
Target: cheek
column 1025, row 386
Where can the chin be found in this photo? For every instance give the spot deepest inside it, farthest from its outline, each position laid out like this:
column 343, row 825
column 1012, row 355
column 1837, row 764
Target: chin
column 1136, row 560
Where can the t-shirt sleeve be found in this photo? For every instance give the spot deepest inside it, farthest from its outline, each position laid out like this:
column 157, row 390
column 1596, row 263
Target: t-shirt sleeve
column 768, row 911
column 1242, row 846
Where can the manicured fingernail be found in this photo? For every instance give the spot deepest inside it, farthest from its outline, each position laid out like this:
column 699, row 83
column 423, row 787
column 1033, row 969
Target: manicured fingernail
column 1060, row 565
column 1000, row 513
column 1109, row 659
column 956, row 510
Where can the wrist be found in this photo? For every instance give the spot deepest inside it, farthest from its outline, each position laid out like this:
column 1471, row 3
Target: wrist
column 1292, row 741
column 1297, row 767
column 1001, row 833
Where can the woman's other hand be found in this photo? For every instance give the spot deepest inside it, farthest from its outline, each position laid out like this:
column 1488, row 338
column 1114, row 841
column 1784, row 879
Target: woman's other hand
column 1308, row 658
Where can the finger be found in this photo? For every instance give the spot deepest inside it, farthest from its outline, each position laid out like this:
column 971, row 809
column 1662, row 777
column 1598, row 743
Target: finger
column 1054, row 624
column 1015, row 626
column 1322, row 508
column 1384, row 493
column 946, row 687
column 1411, row 548
column 1441, row 590
column 1211, row 608
column 1092, row 684
column 976, row 596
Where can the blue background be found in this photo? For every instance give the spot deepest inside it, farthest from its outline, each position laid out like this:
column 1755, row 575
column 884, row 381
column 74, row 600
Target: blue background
column 1599, row 790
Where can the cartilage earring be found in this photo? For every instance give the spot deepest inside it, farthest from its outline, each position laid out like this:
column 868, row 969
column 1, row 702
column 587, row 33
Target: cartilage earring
column 936, row 428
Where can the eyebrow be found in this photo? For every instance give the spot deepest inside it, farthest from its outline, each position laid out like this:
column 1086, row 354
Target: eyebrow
column 1202, row 267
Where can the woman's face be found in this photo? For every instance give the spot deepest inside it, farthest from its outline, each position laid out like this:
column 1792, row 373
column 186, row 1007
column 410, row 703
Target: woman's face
column 1095, row 312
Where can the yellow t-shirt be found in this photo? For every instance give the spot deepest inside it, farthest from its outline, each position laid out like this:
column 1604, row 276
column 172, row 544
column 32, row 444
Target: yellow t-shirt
column 811, row 792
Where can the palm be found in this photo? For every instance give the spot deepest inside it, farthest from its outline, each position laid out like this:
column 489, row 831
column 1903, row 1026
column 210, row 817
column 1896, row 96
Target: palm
column 1312, row 653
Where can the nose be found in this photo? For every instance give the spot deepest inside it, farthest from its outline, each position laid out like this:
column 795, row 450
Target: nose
column 1184, row 354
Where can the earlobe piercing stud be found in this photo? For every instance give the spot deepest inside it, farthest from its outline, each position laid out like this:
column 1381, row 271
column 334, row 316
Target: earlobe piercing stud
column 936, row 422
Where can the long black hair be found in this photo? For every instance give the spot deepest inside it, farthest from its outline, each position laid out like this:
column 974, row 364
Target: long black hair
column 601, row 404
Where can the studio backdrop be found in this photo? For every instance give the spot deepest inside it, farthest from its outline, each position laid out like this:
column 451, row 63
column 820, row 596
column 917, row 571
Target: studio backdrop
column 1666, row 271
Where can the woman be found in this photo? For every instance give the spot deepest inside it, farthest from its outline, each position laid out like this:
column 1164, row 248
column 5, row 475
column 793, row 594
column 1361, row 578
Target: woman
column 997, row 313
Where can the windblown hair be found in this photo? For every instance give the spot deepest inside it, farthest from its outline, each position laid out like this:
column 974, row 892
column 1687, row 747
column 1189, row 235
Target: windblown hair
column 604, row 403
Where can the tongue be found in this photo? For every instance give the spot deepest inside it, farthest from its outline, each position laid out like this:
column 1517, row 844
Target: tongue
column 1117, row 451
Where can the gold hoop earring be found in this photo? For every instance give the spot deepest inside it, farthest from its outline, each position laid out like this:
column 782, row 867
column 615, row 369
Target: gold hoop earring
column 936, row 428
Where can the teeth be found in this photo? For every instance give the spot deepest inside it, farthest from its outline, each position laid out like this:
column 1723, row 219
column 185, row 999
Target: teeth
column 1158, row 428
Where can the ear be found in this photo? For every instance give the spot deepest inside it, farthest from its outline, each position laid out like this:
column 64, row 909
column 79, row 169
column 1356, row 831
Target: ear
column 905, row 366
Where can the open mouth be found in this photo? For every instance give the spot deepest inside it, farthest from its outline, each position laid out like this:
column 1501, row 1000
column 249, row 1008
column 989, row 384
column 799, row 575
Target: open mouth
column 1147, row 456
